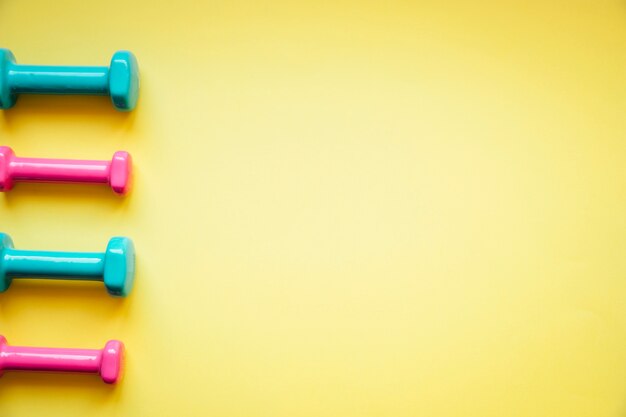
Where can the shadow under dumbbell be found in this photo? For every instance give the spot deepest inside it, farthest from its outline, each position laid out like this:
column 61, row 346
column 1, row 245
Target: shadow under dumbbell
column 60, row 295
column 54, row 110
column 31, row 193
column 74, row 384
column 58, row 388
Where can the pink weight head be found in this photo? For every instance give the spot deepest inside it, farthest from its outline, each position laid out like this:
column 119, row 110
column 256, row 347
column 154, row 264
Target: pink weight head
column 6, row 156
column 112, row 361
column 107, row 362
column 116, row 173
column 120, row 172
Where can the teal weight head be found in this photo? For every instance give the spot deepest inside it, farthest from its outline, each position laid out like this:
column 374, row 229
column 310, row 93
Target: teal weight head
column 5, row 243
column 119, row 266
column 124, row 80
column 7, row 97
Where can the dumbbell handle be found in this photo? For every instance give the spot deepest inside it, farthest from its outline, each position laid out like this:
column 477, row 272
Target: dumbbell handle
column 44, row 79
column 51, row 359
column 66, row 265
column 43, row 169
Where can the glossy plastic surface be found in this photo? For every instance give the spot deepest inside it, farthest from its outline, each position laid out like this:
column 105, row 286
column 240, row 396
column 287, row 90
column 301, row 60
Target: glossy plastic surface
column 107, row 362
column 124, row 80
column 119, row 266
column 115, row 267
column 116, row 173
column 120, row 80
column 7, row 96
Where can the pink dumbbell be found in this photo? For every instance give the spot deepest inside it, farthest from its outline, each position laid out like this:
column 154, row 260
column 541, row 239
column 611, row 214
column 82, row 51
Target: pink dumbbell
column 106, row 362
column 116, row 172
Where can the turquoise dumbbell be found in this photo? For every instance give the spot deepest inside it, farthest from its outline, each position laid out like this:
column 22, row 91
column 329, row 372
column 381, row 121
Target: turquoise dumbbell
column 115, row 267
column 120, row 80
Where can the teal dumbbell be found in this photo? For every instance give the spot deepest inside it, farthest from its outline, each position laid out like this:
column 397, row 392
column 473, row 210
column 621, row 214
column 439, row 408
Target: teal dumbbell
column 115, row 267
column 120, row 80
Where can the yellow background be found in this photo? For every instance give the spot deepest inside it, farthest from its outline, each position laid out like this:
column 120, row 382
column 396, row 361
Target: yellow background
column 341, row 208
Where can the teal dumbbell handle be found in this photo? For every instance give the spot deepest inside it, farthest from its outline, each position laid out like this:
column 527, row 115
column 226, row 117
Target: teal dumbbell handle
column 59, row 265
column 115, row 267
column 120, row 80
column 58, row 80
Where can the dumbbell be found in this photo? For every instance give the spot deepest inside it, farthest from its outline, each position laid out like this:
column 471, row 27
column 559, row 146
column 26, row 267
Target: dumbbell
column 107, row 362
column 116, row 173
column 120, row 80
column 115, row 267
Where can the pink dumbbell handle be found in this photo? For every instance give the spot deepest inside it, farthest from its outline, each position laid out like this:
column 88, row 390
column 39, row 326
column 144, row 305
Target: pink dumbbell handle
column 51, row 359
column 106, row 362
column 39, row 169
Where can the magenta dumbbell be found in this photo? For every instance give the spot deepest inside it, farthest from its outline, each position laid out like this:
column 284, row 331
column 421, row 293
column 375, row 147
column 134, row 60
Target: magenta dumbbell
column 116, row 172
column 107, row 362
